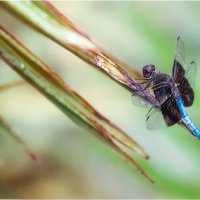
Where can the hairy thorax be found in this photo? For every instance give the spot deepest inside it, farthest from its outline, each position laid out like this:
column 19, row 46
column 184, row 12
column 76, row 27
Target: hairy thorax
column 162, row 87
column 166, row 93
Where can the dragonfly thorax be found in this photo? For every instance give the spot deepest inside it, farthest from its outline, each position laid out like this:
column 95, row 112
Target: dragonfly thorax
column 163, row 86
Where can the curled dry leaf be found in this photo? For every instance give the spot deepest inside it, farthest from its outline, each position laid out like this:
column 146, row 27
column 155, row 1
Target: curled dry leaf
column 48, row 82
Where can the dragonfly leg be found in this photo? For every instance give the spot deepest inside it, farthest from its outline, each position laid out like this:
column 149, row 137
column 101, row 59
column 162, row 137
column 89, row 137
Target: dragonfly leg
column 148, row 84
column 149, row 111
column 144, row 82
column 142, row 78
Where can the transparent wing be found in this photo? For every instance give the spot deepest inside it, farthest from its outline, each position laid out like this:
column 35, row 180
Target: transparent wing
column 166, row 115
column 187, row 85
column 184, row 76
column 191, row 73
column 180, row 51
column 178, row 71
column 138, row 100
column 138, row 97
column 155, row 119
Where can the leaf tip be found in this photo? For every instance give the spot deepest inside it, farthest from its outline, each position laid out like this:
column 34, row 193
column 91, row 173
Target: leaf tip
column 35, row 158
column 146, row 157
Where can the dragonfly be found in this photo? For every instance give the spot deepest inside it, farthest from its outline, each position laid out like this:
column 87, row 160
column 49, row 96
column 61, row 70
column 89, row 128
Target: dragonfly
column 172, row 93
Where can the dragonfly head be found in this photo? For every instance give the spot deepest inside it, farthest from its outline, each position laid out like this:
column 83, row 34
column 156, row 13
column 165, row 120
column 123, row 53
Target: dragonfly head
column 148, row 70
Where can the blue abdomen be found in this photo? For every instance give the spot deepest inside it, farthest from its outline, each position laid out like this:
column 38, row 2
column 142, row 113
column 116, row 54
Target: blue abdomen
column 187, row 119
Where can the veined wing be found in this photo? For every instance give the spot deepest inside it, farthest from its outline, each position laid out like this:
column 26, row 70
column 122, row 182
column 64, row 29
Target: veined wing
column 185, row 88
column 191, row 73
column 167, row 115
column 159, row 116
column 178, row 71
column 184, row 79
column 154, row 117
column 138, row 97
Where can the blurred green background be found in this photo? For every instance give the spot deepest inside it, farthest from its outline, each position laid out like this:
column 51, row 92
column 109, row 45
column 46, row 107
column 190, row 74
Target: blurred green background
column 75, row 164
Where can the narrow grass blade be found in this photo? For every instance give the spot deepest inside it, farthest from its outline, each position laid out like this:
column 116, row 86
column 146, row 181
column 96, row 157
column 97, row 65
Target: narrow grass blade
column 37, row 73
column 5, row 129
